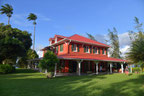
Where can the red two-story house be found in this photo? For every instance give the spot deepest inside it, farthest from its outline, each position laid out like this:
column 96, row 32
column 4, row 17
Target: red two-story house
column 80, row 55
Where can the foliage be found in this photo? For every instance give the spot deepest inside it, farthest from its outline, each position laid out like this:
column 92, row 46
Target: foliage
column 32, row 17
column 48, row 62
column 91, row 37
column 114, row 42
column 136, row 69
column 6, row 68
column 136, row 54
column 14, row 42
column 31, row 54
column 8, row 10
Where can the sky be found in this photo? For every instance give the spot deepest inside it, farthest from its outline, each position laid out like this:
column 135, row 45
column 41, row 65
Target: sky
column 69, row 17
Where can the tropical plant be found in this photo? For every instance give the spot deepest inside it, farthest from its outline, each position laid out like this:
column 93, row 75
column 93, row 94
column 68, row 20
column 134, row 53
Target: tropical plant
column 48, row 62
column 91, row 37
column 8, row 10
column 33, row 17
column 136, row 54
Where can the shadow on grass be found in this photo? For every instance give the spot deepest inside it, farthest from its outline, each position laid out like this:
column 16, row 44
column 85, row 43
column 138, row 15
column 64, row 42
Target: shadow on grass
column 25, row 71
column 100, row 85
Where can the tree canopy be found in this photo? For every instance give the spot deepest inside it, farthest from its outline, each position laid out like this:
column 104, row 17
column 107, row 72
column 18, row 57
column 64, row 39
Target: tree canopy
column 14, row 42
column 49, row 60
column 8, row 10
column 136, row 53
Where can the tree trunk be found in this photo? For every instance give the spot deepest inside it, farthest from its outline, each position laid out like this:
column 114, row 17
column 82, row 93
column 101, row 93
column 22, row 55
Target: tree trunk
column 34, row 38
column 8, row 20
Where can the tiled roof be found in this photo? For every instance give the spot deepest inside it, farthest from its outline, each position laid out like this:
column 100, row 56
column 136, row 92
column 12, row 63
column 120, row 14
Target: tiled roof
column 90, row 57
column 60, row 36
column 86, row 40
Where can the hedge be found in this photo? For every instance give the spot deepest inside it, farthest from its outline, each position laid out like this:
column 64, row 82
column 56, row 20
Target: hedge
column 6, row 68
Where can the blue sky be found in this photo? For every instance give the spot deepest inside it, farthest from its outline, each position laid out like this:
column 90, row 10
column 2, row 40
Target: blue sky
column 68, row 17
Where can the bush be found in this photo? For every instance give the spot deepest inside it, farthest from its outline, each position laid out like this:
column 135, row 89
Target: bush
column 136, row 69
column 6, row 68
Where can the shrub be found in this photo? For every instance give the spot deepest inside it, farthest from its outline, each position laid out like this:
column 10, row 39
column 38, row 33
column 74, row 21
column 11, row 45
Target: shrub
column 6, row 68
column 136, row 69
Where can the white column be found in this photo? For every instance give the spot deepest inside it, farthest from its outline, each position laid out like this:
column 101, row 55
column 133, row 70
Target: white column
column 45, row 71
column 79, row 67
column 110, row 67
column 97, row 68
column 122, row 67
column 130, row 68
column 55, row 69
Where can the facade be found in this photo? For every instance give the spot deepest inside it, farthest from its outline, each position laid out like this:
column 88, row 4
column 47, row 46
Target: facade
column 81, row 55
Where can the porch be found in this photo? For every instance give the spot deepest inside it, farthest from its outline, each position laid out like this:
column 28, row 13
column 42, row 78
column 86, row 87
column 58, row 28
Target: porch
column 85, row 67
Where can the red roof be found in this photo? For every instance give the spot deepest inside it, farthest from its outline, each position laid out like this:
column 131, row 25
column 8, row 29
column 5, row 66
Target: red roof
column 60, row 36
column 78, row 38
column 86, row 40
column 89, row 57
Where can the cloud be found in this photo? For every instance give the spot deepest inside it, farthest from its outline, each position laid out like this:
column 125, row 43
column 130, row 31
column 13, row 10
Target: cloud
column 38, row 50
column 124, row 50
column 21, row 19
column 43, row 17
column 124, row 39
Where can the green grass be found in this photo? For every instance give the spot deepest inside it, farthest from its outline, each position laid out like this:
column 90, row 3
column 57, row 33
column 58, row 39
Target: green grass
column 31, row 83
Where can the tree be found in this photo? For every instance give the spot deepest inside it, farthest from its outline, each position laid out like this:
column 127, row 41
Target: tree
column 8, row 10
column 14, row 43
column 114, row 42
column 135, row 54
column 31, row 54
column 48, row 62
column 91, row 37
column 33, row 17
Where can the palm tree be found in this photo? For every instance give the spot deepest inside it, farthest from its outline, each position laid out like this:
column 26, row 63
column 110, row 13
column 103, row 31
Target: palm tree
column 8, row 10
column 33, row 17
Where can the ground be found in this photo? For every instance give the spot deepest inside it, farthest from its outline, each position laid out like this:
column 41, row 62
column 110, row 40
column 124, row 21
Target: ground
column 31, row 83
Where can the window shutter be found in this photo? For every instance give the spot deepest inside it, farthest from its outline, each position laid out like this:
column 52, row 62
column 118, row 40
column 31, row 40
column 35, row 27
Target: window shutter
column 78, row 48
column 90, row 50
column 93, row 50
column 106, row 52
column 99, row 50
column 84, row 49
column 72, row 46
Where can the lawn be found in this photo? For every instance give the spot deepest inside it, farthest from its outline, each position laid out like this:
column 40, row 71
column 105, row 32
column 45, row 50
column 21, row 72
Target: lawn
column 30, row 83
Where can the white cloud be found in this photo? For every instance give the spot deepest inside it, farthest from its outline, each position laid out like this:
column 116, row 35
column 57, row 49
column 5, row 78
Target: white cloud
column 124, row 50
column 21, row 19
column 38, row 50
column 124, row 39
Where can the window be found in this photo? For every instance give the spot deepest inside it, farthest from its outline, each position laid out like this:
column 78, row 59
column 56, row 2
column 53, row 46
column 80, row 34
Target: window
column 95, row 50
column 61, row 48
column 75, row 48
column 86, row 49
